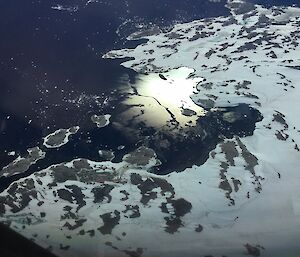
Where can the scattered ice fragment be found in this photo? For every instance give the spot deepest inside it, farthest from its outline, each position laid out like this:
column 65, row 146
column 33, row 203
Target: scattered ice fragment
column 12, row 153
column 120, row 147
column 60, row 7
column 106, row 155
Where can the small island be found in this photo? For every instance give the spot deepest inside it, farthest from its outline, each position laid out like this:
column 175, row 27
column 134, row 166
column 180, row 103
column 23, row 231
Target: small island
column 60, row 137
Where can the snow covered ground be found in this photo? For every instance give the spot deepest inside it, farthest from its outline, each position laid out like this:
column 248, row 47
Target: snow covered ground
column 243, row 200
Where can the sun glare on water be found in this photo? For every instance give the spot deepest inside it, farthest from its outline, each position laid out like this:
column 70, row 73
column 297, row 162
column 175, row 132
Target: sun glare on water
column 161, row 96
